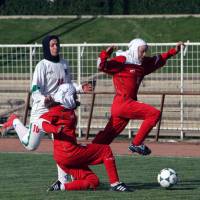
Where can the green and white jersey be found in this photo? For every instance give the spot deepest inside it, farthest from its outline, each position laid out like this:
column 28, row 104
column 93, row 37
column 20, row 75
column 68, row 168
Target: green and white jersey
column 46, row 79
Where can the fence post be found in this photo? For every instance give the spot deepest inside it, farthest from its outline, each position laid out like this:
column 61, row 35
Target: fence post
column 90, row 116
column 181, row 97
column 161, row 111
column 31, row 64
column 79, row 82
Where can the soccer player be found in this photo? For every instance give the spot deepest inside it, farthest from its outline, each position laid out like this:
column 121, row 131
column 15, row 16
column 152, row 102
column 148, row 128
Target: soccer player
column 49, row 73
column 74, row 158
column 128, row 69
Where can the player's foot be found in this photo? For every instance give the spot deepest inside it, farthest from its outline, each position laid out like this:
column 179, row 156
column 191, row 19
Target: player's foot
column 55, row 186
column 141, row 149
column 3, row 131
column 9, row 123
column 121, row 187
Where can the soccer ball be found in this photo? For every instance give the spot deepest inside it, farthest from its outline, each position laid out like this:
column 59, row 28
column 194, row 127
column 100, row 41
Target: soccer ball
column 167, row 178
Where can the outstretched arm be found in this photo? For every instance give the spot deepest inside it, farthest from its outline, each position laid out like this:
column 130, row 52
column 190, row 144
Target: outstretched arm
column 173, row 51
column 153, row 63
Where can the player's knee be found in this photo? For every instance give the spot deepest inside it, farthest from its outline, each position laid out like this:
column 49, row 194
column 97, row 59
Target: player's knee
column 30, row 145
column 157, row 115
column 30, row 148
column 154, row 116
column 93, row 181
column 108, row 151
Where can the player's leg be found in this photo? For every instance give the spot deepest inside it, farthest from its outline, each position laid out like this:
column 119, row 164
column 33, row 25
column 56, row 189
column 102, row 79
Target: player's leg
column 32, row 139
column 93, row 154
column 150, row 115
column 14, row 122
column 84, row 179
column 97, row 154
column 63, row 177
column 29, row 137
column 113, row 128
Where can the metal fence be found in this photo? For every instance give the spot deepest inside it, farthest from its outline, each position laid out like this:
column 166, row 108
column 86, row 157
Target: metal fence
column 180, row 74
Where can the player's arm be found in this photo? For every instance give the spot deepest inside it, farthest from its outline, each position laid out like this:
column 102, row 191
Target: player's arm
column 45, row 124
column 156, row 62
column 173, row 51
column 38, row 83
column 50, row 128
column 110, row 66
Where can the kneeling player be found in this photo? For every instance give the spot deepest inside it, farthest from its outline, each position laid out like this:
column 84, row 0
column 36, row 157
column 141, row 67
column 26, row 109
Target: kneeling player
column 74, row 158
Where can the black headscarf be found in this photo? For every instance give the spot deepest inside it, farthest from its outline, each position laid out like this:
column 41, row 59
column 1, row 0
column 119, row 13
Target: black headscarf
column 46, row 48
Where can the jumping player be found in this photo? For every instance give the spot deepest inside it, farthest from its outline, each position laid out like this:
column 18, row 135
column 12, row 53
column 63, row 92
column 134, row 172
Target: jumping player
column 71, row 157
column 128, row 69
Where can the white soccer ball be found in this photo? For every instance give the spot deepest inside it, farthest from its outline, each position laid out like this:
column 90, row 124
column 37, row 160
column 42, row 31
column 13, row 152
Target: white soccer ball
column 167, row 177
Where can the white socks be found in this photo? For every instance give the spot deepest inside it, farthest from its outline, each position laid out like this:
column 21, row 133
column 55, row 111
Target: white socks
column 20, row 128
column 114, row 184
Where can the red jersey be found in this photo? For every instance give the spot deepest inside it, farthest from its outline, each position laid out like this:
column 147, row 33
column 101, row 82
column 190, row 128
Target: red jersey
column 58, row 118
column 127, row 77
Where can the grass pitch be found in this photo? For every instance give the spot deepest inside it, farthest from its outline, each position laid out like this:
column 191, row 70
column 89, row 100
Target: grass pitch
column 27, row 176
column 29, row 31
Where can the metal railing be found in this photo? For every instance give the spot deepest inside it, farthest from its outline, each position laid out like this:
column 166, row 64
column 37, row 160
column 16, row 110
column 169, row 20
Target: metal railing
column 180, row 75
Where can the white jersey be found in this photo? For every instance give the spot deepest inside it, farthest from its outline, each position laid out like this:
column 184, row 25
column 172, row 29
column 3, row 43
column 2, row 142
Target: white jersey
column 46, row 79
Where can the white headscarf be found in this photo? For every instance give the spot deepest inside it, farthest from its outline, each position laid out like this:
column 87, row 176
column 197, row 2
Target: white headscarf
column 132, row 53
column 65, row 95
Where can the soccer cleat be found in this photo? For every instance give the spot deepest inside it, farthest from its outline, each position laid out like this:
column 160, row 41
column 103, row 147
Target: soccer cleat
column 55, row 186
column 141, row 149
column 9, row 123
column 121, row 187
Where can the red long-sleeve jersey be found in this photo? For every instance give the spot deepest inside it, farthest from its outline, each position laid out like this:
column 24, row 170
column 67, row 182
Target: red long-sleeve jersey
column 62, row 123
column 127, row 77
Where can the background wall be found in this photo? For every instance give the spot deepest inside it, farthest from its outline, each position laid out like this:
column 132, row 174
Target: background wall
column 97, row 7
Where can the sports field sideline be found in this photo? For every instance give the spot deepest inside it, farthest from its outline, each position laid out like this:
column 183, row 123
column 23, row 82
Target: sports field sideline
column 170, row 148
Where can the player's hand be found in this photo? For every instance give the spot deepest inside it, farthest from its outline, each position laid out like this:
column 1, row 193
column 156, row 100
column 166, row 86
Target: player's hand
column 48, row 101
column 60, row 129
column 110, row 50
column 87, row 87
column 76, row 100
column 178, row 46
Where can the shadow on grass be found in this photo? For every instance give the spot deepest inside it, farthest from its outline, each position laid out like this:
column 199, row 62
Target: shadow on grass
column 76, row 26
column 77, row 22
column 50, row 31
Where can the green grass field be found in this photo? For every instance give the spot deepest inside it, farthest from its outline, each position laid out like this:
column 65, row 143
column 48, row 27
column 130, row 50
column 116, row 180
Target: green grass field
column 27, row 176
column 29, row 31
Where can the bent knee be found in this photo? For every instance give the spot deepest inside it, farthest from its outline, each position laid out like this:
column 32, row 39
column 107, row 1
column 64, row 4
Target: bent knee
column 157, row 114
column 93, row 181
column 30, row 148
column 154, row 116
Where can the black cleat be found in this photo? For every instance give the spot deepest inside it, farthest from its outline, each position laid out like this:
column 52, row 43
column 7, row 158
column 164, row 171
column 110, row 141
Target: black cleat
column 141, row 149
column 121, row 187
column 55, row 186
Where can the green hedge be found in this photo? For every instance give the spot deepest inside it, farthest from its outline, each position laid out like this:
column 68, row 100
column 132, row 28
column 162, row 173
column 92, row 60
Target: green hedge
column 98, row 7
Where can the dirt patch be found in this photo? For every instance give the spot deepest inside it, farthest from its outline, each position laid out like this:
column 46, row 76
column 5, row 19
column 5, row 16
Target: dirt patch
column 174, row 149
